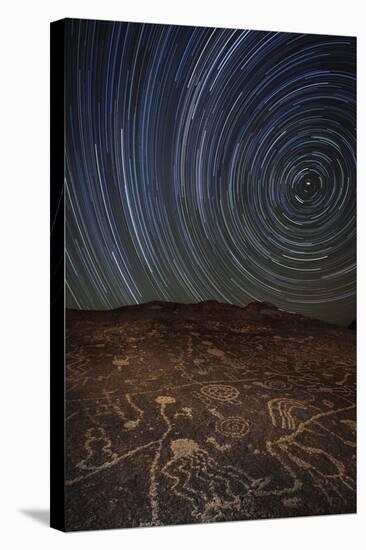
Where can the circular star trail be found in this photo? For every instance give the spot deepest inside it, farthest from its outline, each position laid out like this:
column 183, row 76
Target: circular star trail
column 209, row 164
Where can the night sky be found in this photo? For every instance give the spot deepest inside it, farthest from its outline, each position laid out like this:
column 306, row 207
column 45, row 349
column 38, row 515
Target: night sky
column 210, row 163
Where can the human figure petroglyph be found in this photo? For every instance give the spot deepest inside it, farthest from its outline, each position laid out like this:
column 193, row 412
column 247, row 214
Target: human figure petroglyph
column 210, row 488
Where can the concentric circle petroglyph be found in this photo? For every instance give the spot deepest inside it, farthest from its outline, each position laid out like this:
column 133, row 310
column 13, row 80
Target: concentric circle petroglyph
column 220, row 392
column 233, row 426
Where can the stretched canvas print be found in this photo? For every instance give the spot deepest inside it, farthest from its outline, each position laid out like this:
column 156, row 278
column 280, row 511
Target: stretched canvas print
column 203, row 202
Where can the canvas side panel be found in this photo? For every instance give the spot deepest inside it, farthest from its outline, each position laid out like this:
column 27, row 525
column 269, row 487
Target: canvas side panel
column 57, row 424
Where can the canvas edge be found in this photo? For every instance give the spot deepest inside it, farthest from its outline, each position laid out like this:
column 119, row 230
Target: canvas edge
column 57, row 275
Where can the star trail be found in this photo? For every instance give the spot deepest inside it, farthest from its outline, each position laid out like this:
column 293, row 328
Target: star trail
column 207, row 163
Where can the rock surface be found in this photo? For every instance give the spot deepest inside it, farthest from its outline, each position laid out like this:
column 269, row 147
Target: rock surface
column 207, row 412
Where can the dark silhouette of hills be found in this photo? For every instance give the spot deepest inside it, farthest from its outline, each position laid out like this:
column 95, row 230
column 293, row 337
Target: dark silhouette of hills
column 255, row 312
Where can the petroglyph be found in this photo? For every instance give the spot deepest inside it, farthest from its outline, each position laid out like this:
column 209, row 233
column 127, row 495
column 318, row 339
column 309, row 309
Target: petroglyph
column 280, row 411
column 220, row 392
column 233, row 426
